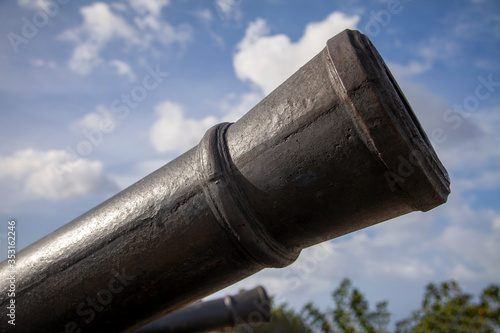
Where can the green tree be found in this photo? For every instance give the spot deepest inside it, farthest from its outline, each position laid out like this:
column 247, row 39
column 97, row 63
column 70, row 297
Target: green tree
column 351, row 314
column 445, row 308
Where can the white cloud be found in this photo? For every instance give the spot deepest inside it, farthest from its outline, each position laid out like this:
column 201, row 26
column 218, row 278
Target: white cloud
column 412, row 68
column 269, row 60
column 172, row 132
column 472, row 251
column 236, row 106
column 496, row 222
column 437, row 48
column 140, row 170
column 122, row 68
column 148, row 20
column 43, row 63
column 119, row 6
column 34, row 4
column 489, row 65
column 471, row 23
column 465, row 25
column 100, row 25
column 376, row 256
column 169, row 34
column 36, row 173
column 427, row 53
column 94, row 120
column 487, row 180
column 152, row 7
column 148, row 166
column 228, row 9
column 205, row 15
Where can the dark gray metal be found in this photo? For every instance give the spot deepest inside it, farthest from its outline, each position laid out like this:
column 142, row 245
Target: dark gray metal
column 248, row 307
column 334, row 149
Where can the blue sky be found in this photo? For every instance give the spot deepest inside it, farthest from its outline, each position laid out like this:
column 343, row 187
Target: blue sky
column 82, row 117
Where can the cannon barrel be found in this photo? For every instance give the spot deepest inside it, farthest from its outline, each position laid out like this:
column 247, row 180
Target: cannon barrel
column 248, row 307
column 334, row 149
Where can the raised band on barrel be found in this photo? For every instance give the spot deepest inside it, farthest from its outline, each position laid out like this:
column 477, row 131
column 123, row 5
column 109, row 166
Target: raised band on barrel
column 230, row 206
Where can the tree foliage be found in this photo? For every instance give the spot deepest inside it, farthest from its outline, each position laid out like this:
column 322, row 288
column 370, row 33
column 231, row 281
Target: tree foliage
column 445, row 308
column 351, row 313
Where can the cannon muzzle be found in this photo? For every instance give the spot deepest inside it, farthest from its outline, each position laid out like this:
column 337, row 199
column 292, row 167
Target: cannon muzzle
column 334, row 149
column 248, row 307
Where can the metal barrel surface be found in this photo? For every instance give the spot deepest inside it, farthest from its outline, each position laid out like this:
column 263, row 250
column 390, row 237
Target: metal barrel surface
column 334, row 149
column 248, row 307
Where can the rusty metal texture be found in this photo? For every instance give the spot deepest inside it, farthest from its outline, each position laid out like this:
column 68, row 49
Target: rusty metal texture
column 248, row 307
column 334, row 149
